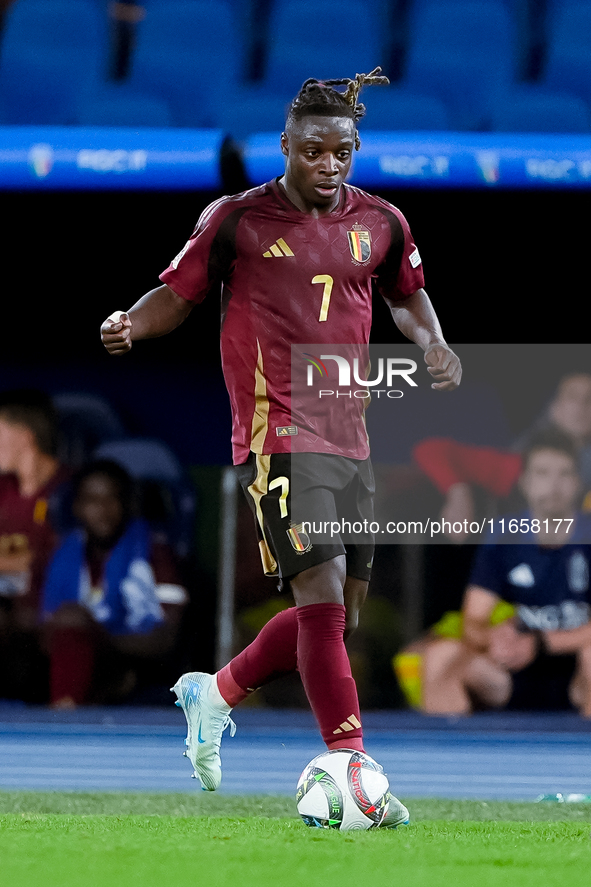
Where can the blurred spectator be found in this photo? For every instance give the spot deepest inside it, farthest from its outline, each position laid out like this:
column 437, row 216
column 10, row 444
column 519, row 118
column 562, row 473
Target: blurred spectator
column 31, row 480
column 113, row 600
column 540, row 657
column 457, row 468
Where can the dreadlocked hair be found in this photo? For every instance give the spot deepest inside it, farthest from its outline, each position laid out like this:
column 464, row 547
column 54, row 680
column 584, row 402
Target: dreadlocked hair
column 320, row 98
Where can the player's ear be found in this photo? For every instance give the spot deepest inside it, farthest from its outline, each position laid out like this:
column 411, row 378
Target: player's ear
column 284, row 144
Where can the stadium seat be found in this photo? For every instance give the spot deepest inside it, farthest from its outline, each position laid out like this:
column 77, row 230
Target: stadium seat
column 116, row 106
column 462, row 52
column 531, row 109
column 568, row 61
column 54, row 52
column 187, row 53
column 85, row 421
column 252, row 110
column 525, row 18
column 553, row 9
column 167, row 498
column 320, row 38
column 394, row 108
column 255, row 110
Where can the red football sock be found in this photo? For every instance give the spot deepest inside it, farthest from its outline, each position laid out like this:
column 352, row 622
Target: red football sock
column 326, row 674
column 272, row 653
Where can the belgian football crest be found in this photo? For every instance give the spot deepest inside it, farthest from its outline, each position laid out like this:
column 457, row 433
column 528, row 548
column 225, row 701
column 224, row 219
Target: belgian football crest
column 300, row 541
column 359, row 244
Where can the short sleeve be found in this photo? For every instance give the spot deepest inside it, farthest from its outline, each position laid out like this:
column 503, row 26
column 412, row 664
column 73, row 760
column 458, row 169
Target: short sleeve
column 401, row 273
column 206, row 258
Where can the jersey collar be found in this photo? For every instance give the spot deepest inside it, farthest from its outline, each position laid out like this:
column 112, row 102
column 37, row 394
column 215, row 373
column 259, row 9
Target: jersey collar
column 280, row 193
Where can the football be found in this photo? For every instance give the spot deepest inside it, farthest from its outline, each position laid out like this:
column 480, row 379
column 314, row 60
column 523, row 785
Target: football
column 344, row 790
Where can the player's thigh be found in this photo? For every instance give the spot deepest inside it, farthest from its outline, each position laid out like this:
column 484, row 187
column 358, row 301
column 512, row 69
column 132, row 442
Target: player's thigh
column 285, row 543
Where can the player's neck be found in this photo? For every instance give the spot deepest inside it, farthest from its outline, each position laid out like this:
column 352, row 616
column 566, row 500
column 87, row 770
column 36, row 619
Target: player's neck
column 294, row 196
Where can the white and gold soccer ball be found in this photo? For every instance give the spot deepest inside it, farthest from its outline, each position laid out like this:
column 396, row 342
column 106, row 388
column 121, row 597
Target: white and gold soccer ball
column 344, row 790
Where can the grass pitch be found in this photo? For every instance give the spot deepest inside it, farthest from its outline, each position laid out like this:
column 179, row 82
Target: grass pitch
column 156, row 840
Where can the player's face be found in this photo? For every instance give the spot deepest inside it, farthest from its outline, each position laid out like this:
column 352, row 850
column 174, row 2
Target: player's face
column 99, row 508
column 318, row 152
column 550, row 484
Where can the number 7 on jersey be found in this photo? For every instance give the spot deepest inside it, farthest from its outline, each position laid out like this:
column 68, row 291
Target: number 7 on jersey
column 328, row 281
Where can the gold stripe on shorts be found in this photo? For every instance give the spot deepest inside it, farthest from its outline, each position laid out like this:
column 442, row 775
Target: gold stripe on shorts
column 257, row 489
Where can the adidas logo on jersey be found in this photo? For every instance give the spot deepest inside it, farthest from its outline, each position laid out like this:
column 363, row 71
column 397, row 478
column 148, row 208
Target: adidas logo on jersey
column 279, row 249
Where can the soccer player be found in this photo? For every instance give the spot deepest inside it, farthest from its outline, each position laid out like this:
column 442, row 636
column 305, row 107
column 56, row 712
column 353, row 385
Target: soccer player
column 295, row 260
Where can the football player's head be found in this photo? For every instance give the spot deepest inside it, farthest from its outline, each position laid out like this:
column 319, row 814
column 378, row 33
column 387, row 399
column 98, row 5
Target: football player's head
column 320, row 98
column 319, row 139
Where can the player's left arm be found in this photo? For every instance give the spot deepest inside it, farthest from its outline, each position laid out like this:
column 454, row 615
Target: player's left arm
column 416, row 319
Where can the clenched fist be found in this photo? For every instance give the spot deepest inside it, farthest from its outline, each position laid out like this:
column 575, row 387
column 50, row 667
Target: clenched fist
column 116, row 333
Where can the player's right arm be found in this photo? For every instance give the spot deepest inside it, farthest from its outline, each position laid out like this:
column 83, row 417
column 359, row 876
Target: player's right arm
column 158, row 312
column 199, row 268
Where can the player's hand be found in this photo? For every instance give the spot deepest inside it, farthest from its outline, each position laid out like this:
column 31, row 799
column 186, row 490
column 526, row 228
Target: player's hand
column 444, row 366
column 116, row 333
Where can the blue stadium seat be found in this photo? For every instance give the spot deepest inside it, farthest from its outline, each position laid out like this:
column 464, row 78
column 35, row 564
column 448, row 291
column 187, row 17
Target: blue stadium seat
column 116, row 106
column 54, row 52
column 526, row 18
column 530, row 109
column 247, row 15
column 394, row 108
column 85, row 421
column 462, row 52
column 553, row 9
column 187, row 53
column 255, row 110
column 568, row 63
column 323, row 39
column 252, row 110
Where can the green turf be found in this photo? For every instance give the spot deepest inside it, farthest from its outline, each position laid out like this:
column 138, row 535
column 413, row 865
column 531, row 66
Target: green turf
column 154, row 840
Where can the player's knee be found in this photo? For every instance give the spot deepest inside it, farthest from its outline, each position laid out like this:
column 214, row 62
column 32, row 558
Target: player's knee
column 321, row 584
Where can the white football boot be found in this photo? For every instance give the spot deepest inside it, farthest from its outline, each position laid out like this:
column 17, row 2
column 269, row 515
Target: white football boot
column 397, row 814
column 206, row 723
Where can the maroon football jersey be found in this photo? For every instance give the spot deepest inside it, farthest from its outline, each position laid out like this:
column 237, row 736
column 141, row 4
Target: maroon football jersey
column 288, row 278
